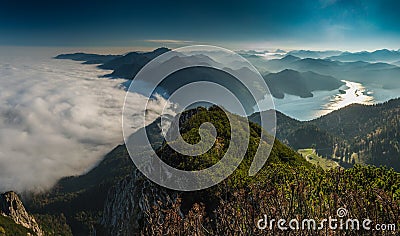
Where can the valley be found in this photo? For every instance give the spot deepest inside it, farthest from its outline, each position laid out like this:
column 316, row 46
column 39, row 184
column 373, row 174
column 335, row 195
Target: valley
column 310, row 155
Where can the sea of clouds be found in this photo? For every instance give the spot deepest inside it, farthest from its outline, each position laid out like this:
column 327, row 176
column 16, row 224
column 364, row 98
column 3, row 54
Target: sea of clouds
column 57, row 118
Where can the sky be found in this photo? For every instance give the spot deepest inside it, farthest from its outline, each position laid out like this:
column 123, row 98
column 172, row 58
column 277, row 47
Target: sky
column 311, row 24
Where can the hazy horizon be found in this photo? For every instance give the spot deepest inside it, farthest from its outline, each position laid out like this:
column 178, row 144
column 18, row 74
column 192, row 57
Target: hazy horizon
column 122, row 50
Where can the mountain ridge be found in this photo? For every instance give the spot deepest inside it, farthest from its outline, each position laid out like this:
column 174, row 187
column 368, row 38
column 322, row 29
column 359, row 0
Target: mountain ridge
column 88, row 193
column 381, row 55
column 132, row 197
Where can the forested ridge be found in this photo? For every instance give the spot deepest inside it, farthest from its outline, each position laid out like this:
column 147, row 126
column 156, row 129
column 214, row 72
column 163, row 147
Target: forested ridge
column 364, row 134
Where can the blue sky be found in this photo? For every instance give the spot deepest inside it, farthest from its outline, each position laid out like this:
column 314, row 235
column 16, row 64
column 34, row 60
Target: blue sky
column 310, row 24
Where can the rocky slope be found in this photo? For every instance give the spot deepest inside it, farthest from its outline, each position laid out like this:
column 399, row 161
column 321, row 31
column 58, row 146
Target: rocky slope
column 128, row 203
column 12, row 207
column 131, row 199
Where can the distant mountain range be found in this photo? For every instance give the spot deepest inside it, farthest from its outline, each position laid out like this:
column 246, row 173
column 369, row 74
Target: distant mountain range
column 382, row 74
column 288, row 75
column 287, row 81
column 323, row 66
column 383, row 55
column 314, row 54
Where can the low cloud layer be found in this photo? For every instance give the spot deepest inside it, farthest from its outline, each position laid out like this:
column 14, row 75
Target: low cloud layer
column 57, row 118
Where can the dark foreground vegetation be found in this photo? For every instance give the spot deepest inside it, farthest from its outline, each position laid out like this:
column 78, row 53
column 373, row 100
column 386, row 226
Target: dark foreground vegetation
column 286, row 192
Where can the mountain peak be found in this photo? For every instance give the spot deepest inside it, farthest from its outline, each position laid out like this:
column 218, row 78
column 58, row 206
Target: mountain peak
column 383, row 50
column 289, row 58
column 162, row 50
column 287, row 71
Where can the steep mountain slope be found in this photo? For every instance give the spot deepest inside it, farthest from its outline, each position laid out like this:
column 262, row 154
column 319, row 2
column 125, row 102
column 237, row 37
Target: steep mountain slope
column 287, row 186
column 81, row 198
column 371, row 132
column 128, row 202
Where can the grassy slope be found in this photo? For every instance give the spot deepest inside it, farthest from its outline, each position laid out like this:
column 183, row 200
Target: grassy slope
column 312, row 157
column 10, row 228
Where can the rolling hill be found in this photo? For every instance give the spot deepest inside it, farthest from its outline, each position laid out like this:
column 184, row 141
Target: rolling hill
column 301, row 84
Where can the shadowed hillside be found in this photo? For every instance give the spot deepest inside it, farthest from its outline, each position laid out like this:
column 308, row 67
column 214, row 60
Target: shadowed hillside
column 357, row 133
